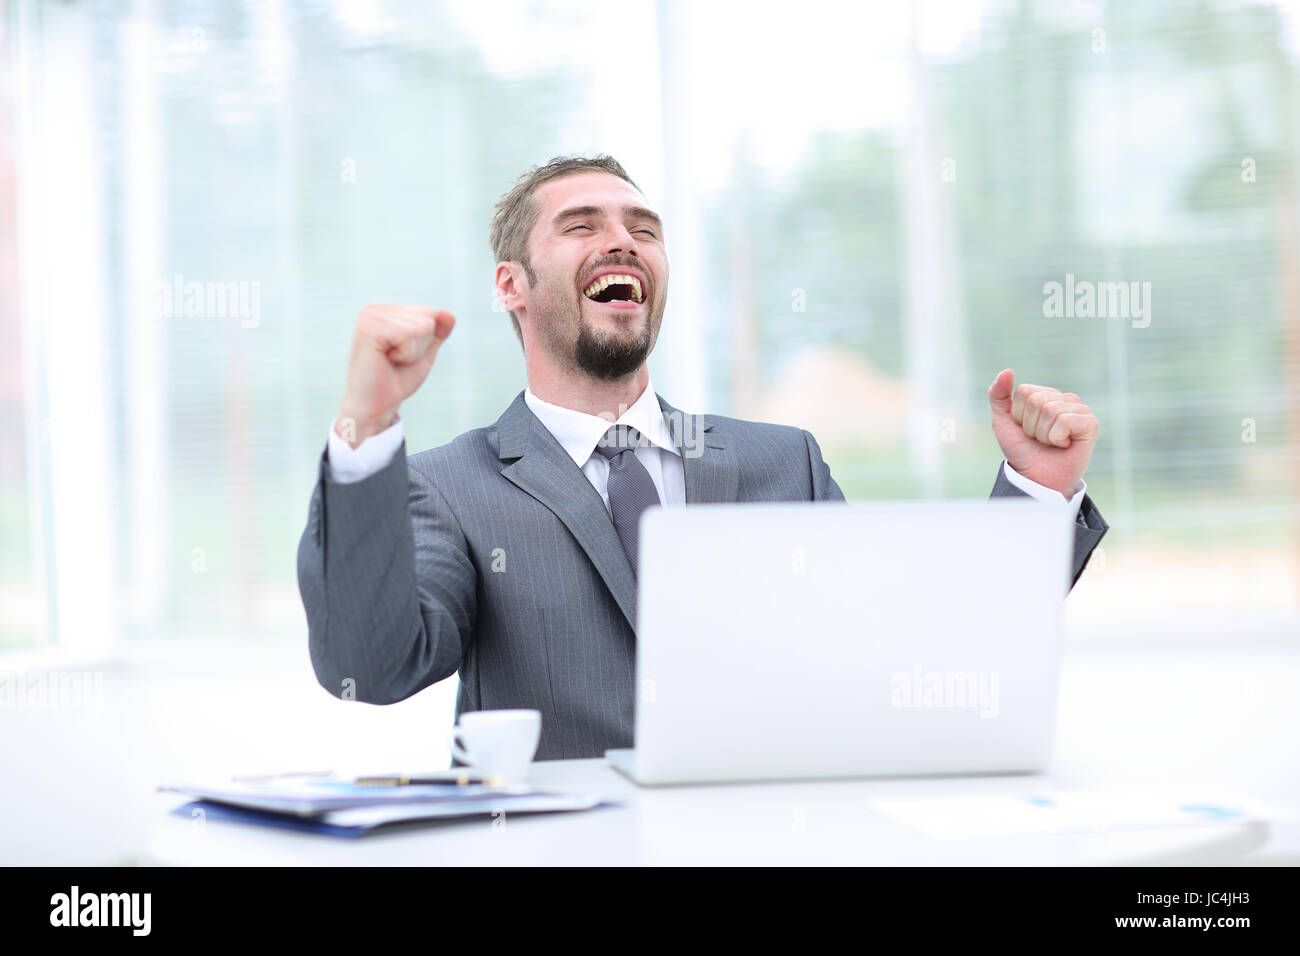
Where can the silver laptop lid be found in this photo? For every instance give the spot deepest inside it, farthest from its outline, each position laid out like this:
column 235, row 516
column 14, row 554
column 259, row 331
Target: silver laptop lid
column 779, row 640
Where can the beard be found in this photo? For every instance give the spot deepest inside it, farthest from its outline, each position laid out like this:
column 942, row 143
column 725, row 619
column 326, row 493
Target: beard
column 610, row 357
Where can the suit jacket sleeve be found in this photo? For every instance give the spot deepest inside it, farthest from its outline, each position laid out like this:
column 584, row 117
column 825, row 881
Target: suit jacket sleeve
column 824, row 487
column 1089, row 526
column 387, row 583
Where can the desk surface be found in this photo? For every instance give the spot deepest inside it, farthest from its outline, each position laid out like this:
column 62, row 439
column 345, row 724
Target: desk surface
column 1222, row 717
column 822, row 822
column 1127, row 719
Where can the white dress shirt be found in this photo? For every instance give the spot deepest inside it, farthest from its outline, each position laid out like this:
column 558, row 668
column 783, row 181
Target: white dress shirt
column 578, row 434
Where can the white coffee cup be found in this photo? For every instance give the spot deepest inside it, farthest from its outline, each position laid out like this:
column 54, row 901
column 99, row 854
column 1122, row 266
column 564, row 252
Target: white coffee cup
column 498, row 743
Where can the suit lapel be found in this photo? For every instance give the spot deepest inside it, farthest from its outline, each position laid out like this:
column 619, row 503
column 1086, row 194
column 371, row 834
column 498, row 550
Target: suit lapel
column 709, row 465
column 535, row 463
column 544, row 470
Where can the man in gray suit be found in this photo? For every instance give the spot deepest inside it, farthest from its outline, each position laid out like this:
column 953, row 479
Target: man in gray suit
column 509, row 554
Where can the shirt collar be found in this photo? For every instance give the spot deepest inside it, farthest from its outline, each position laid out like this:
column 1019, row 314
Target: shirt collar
column 578, row 433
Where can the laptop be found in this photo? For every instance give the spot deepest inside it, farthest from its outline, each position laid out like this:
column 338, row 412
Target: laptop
column 780, row 641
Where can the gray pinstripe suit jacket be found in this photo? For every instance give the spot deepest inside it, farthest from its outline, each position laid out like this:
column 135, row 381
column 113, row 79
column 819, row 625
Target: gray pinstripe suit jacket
column 494, row 556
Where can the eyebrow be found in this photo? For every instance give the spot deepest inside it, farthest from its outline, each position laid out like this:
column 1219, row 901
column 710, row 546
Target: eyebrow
column 633, row 212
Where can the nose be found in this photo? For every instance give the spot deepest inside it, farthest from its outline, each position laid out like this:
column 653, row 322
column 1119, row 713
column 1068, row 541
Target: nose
column 617, row 239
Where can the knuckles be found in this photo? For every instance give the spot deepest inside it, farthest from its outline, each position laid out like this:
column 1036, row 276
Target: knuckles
column 393, row 321
column 1038, row 409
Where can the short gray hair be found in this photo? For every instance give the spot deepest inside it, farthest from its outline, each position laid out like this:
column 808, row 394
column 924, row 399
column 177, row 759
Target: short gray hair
column 517, row 211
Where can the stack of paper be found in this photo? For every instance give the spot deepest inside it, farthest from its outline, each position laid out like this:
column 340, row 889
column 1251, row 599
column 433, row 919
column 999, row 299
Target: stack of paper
column 343, row 808
column 1045, row 812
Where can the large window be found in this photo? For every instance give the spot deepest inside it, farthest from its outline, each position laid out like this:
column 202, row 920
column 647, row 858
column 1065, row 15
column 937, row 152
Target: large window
column 866, row 212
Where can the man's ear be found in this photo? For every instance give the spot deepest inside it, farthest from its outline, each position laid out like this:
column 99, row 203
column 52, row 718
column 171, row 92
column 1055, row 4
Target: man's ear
column 512, row 286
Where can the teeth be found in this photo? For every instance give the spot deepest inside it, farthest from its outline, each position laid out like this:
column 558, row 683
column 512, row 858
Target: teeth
column 600, row 284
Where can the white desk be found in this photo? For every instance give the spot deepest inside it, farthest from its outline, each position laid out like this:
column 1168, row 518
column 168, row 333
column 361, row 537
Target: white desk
column 1128, row 717
column 825, row 822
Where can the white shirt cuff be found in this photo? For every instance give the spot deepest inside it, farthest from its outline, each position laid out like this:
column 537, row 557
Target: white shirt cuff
column 1043, row 493
column 349, row 465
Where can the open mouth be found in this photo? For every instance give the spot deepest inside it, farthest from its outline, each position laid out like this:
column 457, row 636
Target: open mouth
column 615, row 287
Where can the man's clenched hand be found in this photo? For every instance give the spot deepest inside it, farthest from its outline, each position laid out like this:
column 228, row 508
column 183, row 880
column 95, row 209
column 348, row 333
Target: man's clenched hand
column 1046, row 435
column 393, row 349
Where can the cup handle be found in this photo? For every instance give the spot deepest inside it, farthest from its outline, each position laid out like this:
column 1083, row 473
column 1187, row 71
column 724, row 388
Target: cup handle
column 456, row 750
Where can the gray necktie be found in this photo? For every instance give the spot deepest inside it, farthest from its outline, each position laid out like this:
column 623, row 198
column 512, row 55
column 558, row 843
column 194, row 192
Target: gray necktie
column 631, row 489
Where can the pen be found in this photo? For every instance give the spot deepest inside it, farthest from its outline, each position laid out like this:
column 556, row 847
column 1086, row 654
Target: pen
column 459, row 777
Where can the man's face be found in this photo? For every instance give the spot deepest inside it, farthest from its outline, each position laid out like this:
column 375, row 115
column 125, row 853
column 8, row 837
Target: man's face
column 594, row 226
